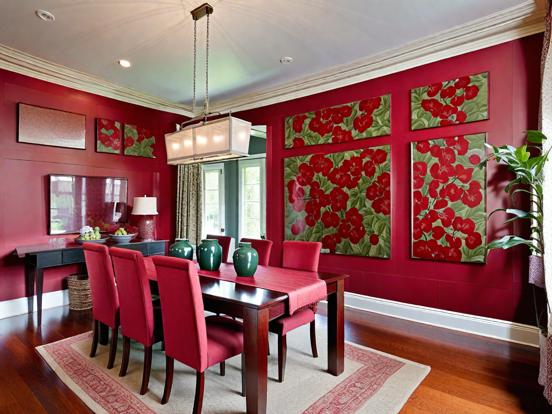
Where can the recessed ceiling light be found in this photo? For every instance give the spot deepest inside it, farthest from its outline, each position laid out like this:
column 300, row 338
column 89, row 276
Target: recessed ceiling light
column 125, row 63
column 45, row 15
column 286, row 60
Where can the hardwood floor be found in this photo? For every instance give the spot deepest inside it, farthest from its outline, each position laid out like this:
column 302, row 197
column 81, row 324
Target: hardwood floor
column 469, row 374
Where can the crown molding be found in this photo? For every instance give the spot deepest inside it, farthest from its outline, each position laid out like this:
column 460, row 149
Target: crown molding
column 510, row 24
column 20, row 62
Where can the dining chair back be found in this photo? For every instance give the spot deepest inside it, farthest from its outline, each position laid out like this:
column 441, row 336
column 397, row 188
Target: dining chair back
column 263, row 247
column 105, row 300
column 136, row 306
column 301, row 255
column 224, row 242
column 182, row 309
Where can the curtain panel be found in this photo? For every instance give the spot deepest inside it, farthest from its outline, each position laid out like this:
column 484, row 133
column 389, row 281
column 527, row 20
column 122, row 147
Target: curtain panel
column 189, row 203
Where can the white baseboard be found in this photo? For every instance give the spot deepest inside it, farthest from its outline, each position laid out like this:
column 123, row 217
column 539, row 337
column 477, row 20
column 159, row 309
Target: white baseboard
column 478, row 325
column 19, row 306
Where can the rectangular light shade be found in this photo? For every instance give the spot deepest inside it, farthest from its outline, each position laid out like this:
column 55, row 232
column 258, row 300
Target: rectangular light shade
column 144, row 206
column 222, row 138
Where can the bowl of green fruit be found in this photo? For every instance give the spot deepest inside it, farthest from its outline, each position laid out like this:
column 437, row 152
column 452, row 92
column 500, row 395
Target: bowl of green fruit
column 90, row 235
column 122, row 236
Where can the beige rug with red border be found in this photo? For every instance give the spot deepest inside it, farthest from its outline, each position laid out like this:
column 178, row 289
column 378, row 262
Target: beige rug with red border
column 373, row 382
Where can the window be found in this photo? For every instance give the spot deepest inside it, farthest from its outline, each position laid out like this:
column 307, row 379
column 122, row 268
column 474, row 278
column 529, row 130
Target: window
column 252, row 198
column 213, row 199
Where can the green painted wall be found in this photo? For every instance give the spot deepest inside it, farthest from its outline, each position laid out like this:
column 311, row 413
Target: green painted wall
column 231, row 214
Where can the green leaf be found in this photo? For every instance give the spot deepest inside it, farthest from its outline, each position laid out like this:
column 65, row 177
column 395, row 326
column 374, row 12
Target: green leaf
column 509, row 241
column 535, row 137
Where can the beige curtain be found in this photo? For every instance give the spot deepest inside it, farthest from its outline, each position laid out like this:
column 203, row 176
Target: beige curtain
column 545, row 374
column 189, row 201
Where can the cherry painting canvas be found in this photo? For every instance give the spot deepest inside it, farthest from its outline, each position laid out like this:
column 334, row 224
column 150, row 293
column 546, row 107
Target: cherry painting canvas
column 138, row 141
column 452, row 102
column 448, row 199
column 108, row 136
column 343, row 123
column 341, row 199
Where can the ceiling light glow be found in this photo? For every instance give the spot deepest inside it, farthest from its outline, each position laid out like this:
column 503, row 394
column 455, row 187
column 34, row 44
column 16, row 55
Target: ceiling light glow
column 125, row 63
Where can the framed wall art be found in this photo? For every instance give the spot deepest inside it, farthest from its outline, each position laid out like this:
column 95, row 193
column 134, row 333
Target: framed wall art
column 52, row 127
column 343, row 123
column 138, row 141
column 452, row 102
column 448, row 199
column 108, row 136
column 341, row 199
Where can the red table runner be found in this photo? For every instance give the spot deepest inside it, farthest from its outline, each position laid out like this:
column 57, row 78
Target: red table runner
column 302, row 288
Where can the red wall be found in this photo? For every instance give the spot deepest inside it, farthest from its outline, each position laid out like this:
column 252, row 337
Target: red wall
column 24, row 169
column 497, row 289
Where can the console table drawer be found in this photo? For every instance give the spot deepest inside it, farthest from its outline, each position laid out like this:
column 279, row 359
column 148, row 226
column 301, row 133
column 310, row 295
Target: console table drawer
column 73, row 256
column 49, row 259
column 156, row 248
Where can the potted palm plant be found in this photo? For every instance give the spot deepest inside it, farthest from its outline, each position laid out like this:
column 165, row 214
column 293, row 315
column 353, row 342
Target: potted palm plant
column 527, row 165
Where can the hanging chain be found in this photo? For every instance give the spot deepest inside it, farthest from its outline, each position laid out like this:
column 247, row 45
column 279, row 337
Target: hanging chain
column 206, row 104
column 195, row 59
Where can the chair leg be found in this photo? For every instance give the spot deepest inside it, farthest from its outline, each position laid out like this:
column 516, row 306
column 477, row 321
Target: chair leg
column 243, row 373
column 200, row 386
column 282, row 352
column 126, row 355
column 147, row 369
column 95, row 338
column 169, row 372
column 222, row 366
column 313, row 339
column 113, row 347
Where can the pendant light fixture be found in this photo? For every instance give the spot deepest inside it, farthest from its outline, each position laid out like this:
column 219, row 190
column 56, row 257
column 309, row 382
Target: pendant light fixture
column 201, row 139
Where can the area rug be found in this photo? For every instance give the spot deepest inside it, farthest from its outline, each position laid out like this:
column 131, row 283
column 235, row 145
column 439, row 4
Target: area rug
column 373, row 382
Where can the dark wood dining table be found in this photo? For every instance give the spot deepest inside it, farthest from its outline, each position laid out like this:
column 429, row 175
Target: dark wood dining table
column 257, row 306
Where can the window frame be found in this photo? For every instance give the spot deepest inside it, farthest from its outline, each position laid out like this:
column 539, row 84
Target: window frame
column 259, row 160
column 207, row 168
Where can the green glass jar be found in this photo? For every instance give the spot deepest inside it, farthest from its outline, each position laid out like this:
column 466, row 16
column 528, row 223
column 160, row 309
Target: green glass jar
column 245, row 259
column 209, row 254
column 182, row 248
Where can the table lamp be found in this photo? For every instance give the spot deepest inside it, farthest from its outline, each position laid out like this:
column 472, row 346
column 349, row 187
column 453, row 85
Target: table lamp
column 147, row 208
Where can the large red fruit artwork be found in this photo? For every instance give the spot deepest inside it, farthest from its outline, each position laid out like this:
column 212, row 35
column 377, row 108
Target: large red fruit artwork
column 451, row 102
column 448, row 199
column 343, row 123
column 341, row 199
column 108, row 136
column 138, row 141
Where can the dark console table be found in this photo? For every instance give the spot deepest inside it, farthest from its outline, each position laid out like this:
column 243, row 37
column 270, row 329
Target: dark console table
column 43, row 256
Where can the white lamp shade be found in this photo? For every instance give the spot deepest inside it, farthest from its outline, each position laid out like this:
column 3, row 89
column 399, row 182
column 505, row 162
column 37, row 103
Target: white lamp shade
column 144, row 206
column 222, row 138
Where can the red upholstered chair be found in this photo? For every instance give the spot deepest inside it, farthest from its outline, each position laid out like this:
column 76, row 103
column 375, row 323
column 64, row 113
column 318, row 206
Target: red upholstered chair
column 299, row 255
column 207, row 341
column 224, row 242
column 105, row 301
column 139, row 320
column 263, row 248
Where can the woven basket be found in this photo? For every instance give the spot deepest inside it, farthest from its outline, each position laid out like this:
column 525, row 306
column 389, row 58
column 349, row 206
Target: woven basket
column 80, row 297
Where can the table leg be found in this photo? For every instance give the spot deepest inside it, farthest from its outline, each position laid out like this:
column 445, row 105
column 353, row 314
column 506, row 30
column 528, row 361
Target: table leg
column 104, row 333
column 39, row 276
column 29, row 284
column 336, row 330
column 255, row 325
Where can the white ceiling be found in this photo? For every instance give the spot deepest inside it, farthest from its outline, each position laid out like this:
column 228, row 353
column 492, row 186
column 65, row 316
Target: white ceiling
column 248, row 37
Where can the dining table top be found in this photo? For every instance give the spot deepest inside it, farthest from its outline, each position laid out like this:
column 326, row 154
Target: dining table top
column 244, row 294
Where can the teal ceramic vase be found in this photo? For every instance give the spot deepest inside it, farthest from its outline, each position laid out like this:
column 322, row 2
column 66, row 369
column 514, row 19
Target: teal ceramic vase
column 209, row 254
column 181, row 248
column 245, row 259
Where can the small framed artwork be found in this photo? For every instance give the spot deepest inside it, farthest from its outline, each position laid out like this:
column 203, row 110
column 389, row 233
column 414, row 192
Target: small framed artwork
column 367, row 118
column 52, row 127
column 449, row 199
column 108, row 136
column 138, row 141
column 452, row 102
column 341, row 199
